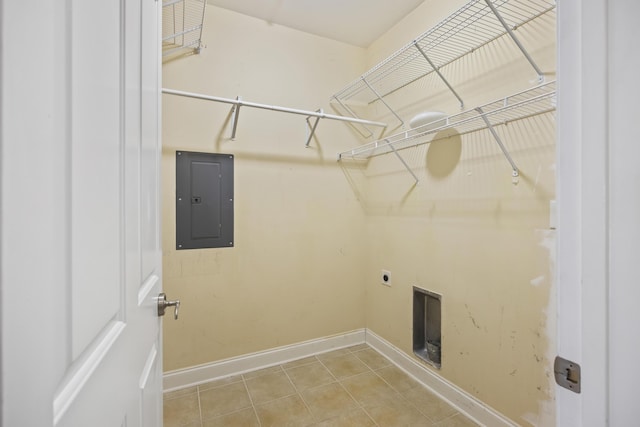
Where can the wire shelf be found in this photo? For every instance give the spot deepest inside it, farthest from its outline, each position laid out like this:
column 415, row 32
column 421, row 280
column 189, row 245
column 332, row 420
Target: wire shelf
column 464, row 31
column 529, row 103
column 182, row 22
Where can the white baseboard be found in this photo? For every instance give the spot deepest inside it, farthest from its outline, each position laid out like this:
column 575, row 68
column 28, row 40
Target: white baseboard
column 463, row 401
column 195, row 375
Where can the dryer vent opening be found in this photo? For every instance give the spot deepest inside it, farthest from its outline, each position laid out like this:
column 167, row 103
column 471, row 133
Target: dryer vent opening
column 427, row 344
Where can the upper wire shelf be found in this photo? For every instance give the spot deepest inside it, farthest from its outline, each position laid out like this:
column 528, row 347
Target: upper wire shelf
column 477, row 23
column 182, row 22
column 531, row 102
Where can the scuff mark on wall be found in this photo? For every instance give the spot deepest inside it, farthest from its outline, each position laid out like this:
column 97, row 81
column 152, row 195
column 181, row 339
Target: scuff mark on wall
column 473, row 320
column 513, row 339
column 546, row 411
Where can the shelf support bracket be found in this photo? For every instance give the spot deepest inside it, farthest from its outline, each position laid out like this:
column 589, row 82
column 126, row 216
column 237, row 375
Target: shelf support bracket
column 402, row 161
column 313, row 128
column 515, row 40
column 235, row 111
column 382, row 100
column 437, row 71
column 355, row 116
column 515, row 172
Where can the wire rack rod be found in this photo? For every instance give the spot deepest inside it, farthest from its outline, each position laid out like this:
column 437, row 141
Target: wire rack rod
column 467, row 29
column 529, row 103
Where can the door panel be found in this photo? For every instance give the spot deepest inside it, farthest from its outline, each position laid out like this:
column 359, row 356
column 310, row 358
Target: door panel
column 96, row 146
column 81, row 339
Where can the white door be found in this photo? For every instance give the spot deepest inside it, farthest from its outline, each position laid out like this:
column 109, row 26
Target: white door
column 80, row 255
column 599, row 210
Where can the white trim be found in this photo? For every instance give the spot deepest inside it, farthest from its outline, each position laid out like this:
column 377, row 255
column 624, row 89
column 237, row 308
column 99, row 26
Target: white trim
column 568, row 280
column 456, row 397
column 585, row 155
column 461, row 400
column 237, row 365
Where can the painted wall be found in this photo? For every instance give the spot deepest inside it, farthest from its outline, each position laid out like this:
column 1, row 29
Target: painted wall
column 465, row 231
column 296, row 271
column 312, row 235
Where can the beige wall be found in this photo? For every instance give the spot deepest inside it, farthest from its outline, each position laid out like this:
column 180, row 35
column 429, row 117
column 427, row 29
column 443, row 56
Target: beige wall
column 295, row 272
column 312, row 235
column 465, row 231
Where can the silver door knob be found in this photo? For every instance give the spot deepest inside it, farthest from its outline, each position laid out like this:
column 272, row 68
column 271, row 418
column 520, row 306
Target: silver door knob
column 163, row 304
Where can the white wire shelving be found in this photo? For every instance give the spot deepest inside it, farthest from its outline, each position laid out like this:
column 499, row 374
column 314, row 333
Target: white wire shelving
column 531, row 102
column 474, row 25
column 182, row 22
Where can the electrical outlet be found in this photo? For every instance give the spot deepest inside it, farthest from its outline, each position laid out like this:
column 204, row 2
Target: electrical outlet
column 385, row 277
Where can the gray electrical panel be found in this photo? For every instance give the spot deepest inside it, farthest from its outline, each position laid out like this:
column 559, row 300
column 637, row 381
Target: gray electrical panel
column 204, row 200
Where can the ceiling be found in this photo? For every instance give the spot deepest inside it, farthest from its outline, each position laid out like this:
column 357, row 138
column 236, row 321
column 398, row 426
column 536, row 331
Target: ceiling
column 357, row 22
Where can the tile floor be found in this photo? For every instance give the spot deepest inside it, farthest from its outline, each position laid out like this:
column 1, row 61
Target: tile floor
column 351, row 387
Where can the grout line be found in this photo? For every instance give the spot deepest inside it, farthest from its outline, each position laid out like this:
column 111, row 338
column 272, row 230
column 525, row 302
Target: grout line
column 398, row 392
column 304, row 402
column 405, row 399
column 246, row 388
column 301, row 365
column 166, row 398
column 199, row 405
column 451, row 416
column 365, row 363
column 360, row 406
column 328, row 370
column 419, row 411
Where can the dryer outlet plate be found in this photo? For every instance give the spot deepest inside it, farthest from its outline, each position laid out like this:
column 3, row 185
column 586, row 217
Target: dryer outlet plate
column 385, row 277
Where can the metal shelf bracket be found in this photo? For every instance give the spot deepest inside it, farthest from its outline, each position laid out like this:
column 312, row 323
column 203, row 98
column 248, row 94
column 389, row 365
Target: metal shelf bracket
column 403, row 162
column 235, row 112
column 516, row 41
column 515, row 172
column 313, row 127
column 437, row 71
column 382, row 100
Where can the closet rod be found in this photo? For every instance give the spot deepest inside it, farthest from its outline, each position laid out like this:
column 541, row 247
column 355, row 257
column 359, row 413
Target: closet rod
column 241, row 103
